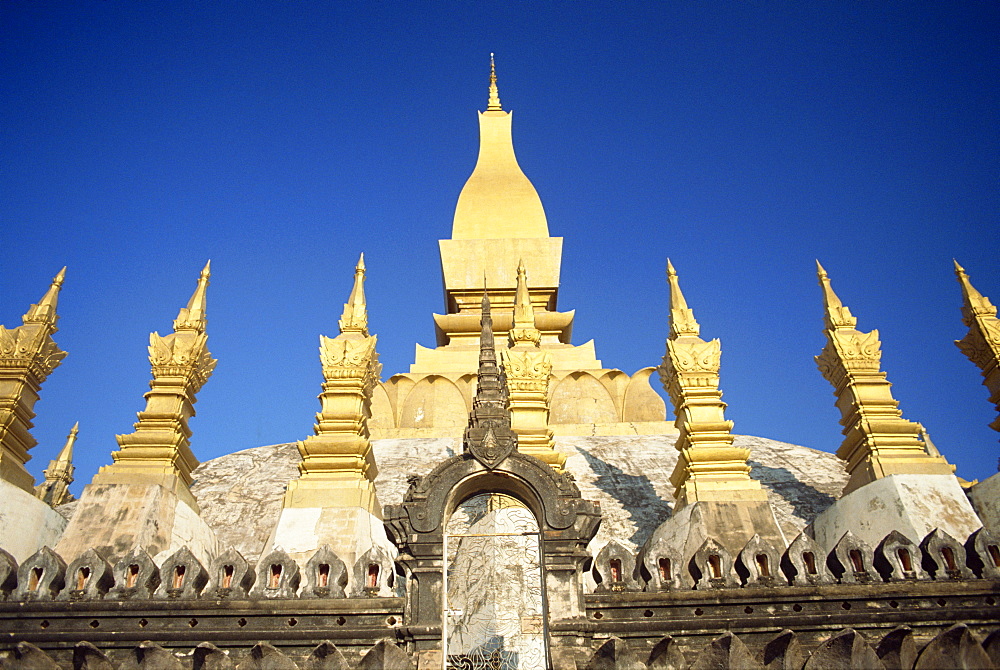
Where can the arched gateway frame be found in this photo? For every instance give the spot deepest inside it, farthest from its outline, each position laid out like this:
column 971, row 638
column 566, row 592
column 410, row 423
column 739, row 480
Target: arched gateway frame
column 457, row 495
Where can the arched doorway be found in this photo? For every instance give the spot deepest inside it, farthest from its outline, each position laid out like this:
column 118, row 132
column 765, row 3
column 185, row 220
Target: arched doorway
column 495, row 613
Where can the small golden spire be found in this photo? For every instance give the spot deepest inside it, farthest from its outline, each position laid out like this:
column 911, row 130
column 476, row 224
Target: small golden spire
column 974, row 303
column 45, row 310
column 65, row 457
column 524, row 331
column 494, row 102
column 193, row 317
column 354, row 318
column 835, row 314
column 682, row 321
column 59, row 475
column 524, row 315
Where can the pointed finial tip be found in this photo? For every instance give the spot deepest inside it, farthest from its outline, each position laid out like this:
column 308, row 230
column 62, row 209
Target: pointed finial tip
column 75, row 429
column 958, row 268
column 820, row 270
column 206, row 271
column 671, row 272
column 493, row 104
column 60, row 277
column 361, row 262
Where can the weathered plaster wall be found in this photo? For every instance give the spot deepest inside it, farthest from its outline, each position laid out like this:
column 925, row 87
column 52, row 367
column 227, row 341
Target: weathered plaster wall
column 240, row 494
column 985, row 497
column 26, row 523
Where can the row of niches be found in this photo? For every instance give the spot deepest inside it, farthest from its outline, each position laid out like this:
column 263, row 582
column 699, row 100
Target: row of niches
column 262, row 656
column 659, row 567
column 46, row 576
column 956, row 647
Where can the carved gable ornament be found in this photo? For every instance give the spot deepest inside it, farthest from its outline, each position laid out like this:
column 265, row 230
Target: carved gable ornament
column 491, row 451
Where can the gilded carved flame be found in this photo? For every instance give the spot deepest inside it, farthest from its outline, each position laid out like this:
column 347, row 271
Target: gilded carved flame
column 29, row 348
column 181, row 356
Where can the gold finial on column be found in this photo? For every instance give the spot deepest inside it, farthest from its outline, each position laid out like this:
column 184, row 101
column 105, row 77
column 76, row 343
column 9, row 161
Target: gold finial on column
column 193, row 316
column 45, row 310
column 835, row 315
column 524, row 331
column 494, row 102
column 981, row 344
column 59, row 475
column 354, row 318
column 682, row 321
column 709, row 467
column 878, row 442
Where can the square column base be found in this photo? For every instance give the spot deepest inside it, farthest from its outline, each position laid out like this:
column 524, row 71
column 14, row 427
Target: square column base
column 730, row 523
column 914, row 505
column 349, row 530
column 115, row 518
column 26, row 523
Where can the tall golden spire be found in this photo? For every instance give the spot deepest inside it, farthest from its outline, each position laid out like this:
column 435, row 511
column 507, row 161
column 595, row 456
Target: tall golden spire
column 44, row 311
column 494, row 102
column 354, row 318
column 193, row 316
column 159, row 450
column 59, row 475
column 28, row 355
column 878, row 442
column 709, row 467
column 974, row 303
column 338, row 465
column 981, row 344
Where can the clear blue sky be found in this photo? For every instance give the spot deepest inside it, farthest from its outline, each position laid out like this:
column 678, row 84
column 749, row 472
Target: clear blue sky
column 280, row 139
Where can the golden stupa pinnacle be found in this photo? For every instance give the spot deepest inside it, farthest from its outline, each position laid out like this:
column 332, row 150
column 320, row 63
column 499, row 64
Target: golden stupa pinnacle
column 494, row 102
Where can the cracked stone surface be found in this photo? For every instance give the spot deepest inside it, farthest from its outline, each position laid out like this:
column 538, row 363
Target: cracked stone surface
column 240, row 494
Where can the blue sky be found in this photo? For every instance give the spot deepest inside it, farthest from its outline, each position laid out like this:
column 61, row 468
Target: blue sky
column 742, row 140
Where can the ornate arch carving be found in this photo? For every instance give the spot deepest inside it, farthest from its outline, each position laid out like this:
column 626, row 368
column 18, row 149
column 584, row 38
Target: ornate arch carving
column 566, row 520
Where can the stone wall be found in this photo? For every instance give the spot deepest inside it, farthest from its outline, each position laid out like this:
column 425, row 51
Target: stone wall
column 240, row 493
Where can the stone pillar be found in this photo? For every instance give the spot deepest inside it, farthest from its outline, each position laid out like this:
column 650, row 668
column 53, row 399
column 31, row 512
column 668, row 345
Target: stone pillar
column 333, row 501
column 981, row 344
column 878, row 442
column 143, row 498
column 528, row 370
column 714, row 496
column 897, row 481
column 28, row 355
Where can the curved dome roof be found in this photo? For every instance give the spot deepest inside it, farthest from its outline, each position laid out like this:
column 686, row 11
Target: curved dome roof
column 498, row 200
